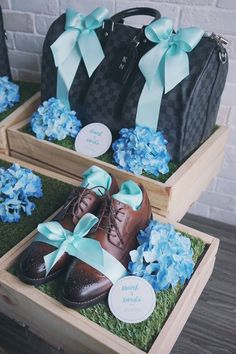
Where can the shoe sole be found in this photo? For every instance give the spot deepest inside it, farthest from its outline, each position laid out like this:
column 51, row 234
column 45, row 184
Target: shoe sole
column 84, row 304
column 31, row 281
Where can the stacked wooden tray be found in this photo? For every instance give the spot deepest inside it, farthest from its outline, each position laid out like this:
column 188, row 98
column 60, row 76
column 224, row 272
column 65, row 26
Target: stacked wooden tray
column 171, row 199
column 67, row 329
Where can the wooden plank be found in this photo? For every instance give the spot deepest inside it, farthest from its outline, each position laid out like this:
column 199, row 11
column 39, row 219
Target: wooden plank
column 38, row 163
column 55, row 323
column 41, row 170
column 19, row 114
column 182, row 310
column 70, row 161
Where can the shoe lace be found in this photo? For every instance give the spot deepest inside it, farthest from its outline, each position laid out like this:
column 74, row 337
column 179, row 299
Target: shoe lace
column 79, row 199
column 110, row 216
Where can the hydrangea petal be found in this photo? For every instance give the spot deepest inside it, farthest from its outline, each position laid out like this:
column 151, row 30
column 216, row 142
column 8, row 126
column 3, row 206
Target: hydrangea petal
column 141, row 149
column 164, row 256
column 17, row 186
column 9, row 93
column 54, row 121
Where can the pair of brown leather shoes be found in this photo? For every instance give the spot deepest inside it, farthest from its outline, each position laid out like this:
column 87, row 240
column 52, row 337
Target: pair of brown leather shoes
column 116, row 232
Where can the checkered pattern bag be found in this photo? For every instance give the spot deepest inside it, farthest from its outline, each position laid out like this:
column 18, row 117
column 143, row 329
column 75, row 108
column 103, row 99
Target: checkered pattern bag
column 4, row 62
column 188, row 112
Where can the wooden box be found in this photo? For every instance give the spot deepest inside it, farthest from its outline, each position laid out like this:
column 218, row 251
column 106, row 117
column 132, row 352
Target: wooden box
column 171, row 199
column 73, row 333
column 15, row 117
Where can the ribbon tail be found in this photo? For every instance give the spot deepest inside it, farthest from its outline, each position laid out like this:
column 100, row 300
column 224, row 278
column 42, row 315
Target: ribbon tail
column 176, row 68
column 91, row 50
column 84, row 225
column 150, row 62
column 65, row 75
column 52, row 258
column 150, row 102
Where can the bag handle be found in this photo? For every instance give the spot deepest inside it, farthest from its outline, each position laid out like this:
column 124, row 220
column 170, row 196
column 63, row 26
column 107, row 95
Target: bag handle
column 135, row 11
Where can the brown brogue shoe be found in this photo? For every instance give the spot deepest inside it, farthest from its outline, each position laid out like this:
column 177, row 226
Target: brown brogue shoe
column 117, row 234
column 31, row 266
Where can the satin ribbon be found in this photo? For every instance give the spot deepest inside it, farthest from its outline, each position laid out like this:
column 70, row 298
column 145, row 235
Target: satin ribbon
column 79, row 40
column 130, row 193
column 164, row 66
column 86, row 249
column 97, row 179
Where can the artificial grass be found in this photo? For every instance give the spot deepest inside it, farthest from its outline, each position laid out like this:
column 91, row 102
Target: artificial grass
column 108, row 156
column 12, row 233
column 141, row 335
column 27, row 89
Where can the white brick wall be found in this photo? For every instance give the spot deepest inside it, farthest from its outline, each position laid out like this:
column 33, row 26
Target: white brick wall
column 28, row 21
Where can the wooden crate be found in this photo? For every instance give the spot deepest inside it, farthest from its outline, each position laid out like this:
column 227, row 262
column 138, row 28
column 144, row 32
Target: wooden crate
column 19, row 114
column 181, row 189
column 66, row 329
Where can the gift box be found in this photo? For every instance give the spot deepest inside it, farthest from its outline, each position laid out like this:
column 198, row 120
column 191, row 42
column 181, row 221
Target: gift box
column 164, row 195
column 67, row 329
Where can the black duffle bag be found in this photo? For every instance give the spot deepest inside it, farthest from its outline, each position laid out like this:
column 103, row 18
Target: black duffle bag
column 82, row 81
column 112, row 94
column 4, row 62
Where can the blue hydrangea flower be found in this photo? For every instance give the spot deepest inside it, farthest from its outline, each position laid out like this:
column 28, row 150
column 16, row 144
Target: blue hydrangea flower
column 17, row 186
column 54, row 121
column 141, row 149
column 9, row 93
column 164, row 256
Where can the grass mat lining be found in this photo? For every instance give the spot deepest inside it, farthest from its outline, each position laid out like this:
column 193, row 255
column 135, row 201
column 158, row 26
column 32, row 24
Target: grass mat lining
column 27, row 89
column 12, row 233
column 143, row 334
column 68, row 143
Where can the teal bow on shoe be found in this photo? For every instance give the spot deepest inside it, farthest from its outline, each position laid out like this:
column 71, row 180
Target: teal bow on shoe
column 64, row 240
column 79, row 41
column 75, row 244
column 164, row 66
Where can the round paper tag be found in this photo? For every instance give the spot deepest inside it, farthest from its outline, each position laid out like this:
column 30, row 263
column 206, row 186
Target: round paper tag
column 132, row 299
column 93, row 140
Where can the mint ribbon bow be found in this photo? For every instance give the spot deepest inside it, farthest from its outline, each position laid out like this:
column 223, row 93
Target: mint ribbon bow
column 164, row 66
column 64, row 240
column 79, row 40
column 86, row 249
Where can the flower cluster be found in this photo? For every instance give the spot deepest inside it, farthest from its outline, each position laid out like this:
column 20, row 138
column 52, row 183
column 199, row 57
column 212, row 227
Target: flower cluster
column 141, row 149
column 164, row 257
column 53, row 120
column 9, row 94
column 17, row 185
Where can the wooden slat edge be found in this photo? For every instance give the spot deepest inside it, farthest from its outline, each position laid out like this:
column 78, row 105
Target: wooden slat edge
column 92, row 161
column 41, row 170
column 182, row 310
column 22, row 111
column 35, row 298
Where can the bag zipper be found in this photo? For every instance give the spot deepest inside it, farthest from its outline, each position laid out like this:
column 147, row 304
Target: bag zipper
column 221, row 42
